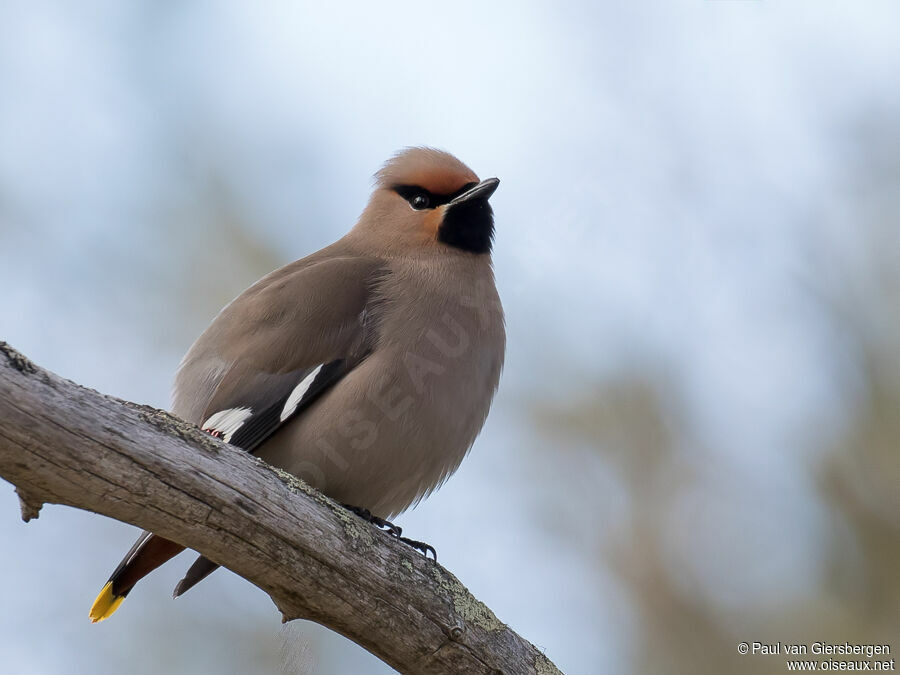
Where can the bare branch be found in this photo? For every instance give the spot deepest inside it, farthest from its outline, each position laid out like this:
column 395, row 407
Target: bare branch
column 62, row 443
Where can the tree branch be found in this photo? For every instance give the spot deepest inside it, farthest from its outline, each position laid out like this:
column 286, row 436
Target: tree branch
column 62, row 443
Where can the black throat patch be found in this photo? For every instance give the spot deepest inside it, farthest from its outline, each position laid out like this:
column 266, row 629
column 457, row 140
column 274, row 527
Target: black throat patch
column 468, row 226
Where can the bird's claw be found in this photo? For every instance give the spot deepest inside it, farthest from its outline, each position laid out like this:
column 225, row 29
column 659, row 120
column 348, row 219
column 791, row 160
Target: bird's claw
column 381, row 523
column 421, row 546
column 391, row 529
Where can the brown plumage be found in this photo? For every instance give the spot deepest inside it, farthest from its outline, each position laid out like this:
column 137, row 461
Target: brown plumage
column 366, row 368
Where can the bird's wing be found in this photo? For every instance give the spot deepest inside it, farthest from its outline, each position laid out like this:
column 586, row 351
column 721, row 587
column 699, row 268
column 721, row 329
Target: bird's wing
column 264, row 359
column 277, row 347
column 273, row 350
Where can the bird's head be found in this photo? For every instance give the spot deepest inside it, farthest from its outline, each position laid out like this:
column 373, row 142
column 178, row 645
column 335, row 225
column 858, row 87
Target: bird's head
column 426, row 197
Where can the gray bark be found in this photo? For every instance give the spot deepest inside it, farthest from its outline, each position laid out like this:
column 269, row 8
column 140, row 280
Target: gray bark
column 64, row 444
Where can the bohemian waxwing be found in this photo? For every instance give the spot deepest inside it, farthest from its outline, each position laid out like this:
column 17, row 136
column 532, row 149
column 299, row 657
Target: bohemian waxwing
column 367, row 368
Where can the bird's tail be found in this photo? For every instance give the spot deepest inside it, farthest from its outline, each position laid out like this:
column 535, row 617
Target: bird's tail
column 201, row 569
column 148, row 553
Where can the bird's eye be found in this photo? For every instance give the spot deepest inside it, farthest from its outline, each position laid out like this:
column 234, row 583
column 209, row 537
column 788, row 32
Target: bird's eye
column 419, row 202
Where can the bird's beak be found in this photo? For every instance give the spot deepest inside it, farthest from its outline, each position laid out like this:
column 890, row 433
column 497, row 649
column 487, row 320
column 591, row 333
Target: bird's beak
column 481, row 191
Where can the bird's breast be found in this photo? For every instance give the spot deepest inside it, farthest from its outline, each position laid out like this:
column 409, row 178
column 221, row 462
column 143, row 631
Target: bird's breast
column 401, row 422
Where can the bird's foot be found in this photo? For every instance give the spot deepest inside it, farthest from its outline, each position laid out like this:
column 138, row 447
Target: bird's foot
column 421, row 546
column 386, row 525
column 393, row 530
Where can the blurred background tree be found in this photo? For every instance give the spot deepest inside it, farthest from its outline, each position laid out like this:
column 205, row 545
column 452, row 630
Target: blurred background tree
column 677, row 512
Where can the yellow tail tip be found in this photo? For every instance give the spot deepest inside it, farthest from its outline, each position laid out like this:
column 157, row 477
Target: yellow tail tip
column 106, row 604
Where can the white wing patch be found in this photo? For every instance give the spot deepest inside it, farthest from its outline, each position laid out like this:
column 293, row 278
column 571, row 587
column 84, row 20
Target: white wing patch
column 226, row 422
column 297, row 395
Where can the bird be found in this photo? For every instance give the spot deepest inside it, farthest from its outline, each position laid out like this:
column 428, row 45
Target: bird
column 367, row 368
